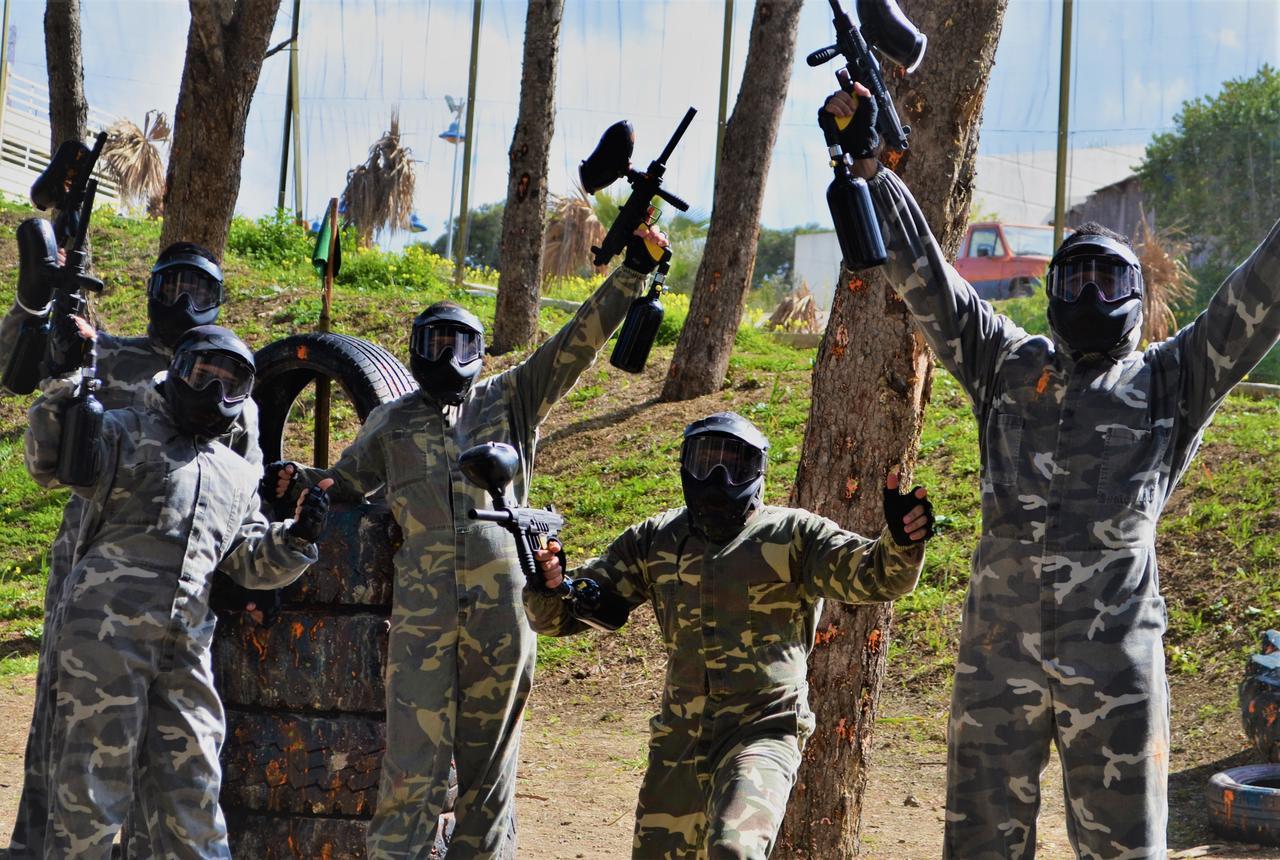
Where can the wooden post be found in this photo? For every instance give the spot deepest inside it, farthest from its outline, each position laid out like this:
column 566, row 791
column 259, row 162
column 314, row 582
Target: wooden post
column 460, row 251
column 1064, row 112
column 320, row 455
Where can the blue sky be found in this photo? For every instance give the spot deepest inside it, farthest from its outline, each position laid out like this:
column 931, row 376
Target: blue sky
column 1136, row 61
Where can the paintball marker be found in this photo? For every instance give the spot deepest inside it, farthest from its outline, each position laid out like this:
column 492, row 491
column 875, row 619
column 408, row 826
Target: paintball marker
column 640, row 328
column 887, row 29
column 610, row 161
column 492, row 466
column 43, row 285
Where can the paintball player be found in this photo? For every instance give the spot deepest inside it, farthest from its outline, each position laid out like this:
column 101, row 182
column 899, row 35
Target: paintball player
column 461, row 655
column 185, row 289
column 1084, row 438
column 737, row 588
column 168, row 503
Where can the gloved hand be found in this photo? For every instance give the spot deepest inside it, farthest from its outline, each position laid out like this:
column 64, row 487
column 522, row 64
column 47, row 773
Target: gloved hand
column 312, row 512
column 70, row 339
column 855, row 115
column 646, row 248
column 909, row 516
column 38, row 265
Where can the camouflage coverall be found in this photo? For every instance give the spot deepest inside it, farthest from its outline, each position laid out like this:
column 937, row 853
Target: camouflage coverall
column 460, row 658
column 738, row 621
column 126, row 367
column 133, row 676
column 1061, row 637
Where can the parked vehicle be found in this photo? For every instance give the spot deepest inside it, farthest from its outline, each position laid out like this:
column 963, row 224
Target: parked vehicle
column 1005, row 261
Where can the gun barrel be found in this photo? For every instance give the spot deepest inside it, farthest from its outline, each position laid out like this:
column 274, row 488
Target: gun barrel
column 675, row 138
column 492, row 516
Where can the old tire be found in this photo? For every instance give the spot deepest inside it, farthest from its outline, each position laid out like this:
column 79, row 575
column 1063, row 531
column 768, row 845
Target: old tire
column 367, row 373
column 1244, row 803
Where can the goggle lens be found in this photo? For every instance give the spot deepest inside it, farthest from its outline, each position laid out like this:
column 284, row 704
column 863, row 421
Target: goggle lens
column 199, row 370
column 169, row 285
column 741, row 461
column 1115, row 280
column 431, row 341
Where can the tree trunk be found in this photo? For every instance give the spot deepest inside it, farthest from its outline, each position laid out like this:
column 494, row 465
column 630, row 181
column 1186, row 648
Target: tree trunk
column 68, row 111
column 524, row 219
column 225, row 47
column 702, row 353
column 872, row 354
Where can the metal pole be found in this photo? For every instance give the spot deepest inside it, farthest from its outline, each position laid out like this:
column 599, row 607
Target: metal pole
column 4, row 67
column 296, row 94
column 466, row 152
column 725, row 51
column 1064, row 104
column 288, row 107
column 453, row 193
column 320, row 451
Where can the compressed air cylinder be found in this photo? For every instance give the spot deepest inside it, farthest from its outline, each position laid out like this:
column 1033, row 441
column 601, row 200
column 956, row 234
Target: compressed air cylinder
column 855, row 221
column 638, row 333
column 78, row 447
column 22, row 373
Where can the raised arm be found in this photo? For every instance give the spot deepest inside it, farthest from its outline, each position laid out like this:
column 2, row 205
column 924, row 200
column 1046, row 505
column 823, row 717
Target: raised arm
column 362, row 468
column 1233, row 333
column 842, row 565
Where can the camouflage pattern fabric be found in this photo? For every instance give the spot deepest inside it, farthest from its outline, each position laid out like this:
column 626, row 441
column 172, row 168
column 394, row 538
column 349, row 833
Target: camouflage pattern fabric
column 126, row 367
column 460, row 658
column 1061, row 635
column 738, row 621
column 133, row 675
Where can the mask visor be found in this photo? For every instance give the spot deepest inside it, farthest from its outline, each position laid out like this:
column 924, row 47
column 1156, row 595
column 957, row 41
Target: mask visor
column 1116, row 280
column 169, row 285
column 431, row 341
column 199, row 370
column 742, row 462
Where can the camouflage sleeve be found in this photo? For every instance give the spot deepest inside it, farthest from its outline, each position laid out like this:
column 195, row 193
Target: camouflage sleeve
column 553, row 368
column 965, row 331
column 245, row 439
column 43, row 435
column 1234, row 332
column 620, row 569
column 362, row 467
column 262, row 554
column 9, row 337
column 845, row 566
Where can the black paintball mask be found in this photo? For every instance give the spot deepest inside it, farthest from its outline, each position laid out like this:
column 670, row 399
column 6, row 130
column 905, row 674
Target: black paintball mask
column 1095, row 296
column 445, row 352
column 722, row 467
column 185, row 291
column 210, row 378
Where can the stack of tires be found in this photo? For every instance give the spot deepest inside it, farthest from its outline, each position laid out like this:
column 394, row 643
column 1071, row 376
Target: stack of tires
column 305, row 696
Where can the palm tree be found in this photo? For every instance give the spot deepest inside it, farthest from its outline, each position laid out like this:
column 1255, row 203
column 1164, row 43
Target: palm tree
column 132, row 157
column 572, row 228
column 379, row 193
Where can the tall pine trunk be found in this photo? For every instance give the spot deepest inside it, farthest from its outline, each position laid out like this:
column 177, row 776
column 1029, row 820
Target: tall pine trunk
column 715, row 309
column 68, row 110
column 524, row 219
column 872, row 356
column 225, row 47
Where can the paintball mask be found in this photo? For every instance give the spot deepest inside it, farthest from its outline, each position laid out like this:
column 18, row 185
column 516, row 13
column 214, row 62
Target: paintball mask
column 1095, row 296
column 722, row 466
column 445, row 351
column 185, row 291
column 210, row 378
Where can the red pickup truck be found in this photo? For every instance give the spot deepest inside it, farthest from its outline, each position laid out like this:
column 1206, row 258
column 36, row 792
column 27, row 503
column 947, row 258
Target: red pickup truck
column 1004, row 261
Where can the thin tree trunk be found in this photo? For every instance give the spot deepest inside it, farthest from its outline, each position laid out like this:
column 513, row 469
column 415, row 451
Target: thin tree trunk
column 524, row 220
column 68, row 110
column 702, row 353
column 225, row 47
column 872, row 355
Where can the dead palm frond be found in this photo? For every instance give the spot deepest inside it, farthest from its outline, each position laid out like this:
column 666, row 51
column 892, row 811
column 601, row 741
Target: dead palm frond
column 379, row 193
column 572, row 229
column 796, row 312
column 132, row 157
column 1167, row 282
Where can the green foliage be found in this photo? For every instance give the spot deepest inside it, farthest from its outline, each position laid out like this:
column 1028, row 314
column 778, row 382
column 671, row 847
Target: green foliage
column 274, row 240
column 1217, row 174
column 484, row 236
column 1029, row 312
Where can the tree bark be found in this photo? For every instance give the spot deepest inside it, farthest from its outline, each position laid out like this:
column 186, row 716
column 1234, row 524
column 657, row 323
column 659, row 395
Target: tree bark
column 524, row 220
column 873, row 355
column 225, row 47
column 702, row 353
column 68, row 110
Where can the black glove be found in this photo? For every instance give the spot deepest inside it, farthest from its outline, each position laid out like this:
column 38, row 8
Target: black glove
column 67, row 346
column 280, row 506
column 858, row 138
column 37, row 264
column 898, row 505
column 640, row 255
column 311, row 519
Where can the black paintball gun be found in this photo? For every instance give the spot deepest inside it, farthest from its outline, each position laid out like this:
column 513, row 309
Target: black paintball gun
column 492, row 466
column 887, row 29
column 44, row 286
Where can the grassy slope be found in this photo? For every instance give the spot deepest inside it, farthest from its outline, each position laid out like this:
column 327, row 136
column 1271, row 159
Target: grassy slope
column 608, row 457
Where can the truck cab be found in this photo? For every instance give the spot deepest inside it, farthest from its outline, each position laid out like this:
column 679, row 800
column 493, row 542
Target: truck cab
column 1004, row 261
